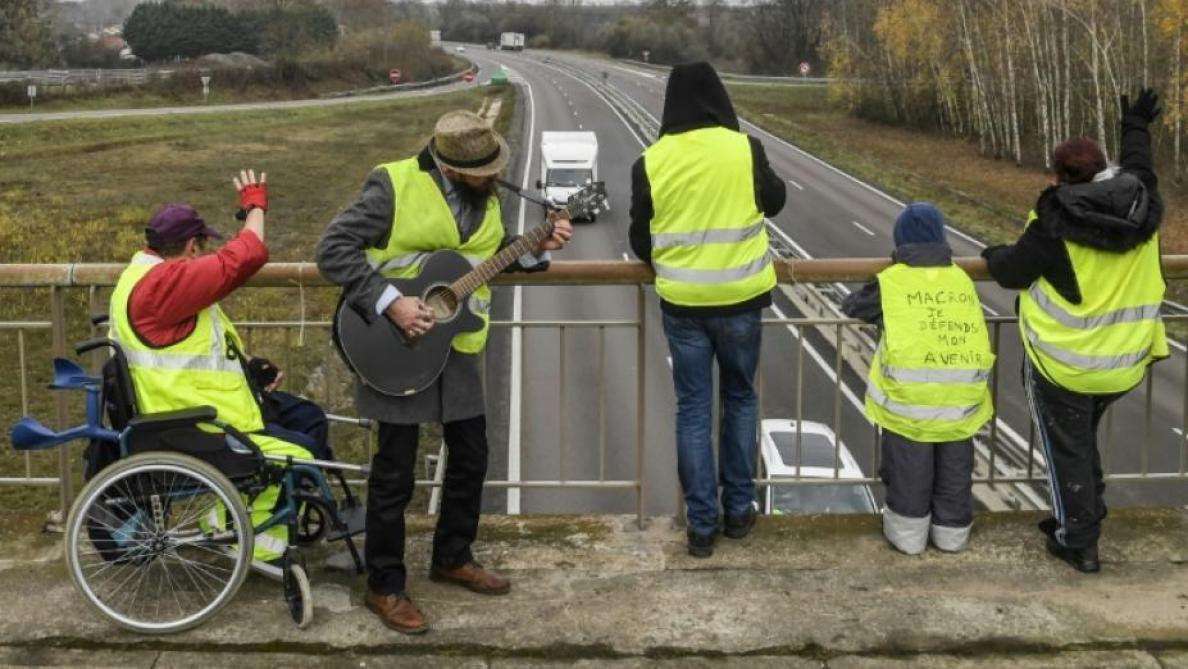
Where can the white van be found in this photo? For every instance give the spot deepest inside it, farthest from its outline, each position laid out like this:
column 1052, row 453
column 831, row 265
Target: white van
column 819, row 455
column 568, row 161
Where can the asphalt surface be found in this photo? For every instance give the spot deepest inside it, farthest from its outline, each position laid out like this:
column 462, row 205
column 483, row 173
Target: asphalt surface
column 829, row 214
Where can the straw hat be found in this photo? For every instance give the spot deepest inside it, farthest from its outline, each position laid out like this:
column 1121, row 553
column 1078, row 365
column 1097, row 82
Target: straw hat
column 465, row 143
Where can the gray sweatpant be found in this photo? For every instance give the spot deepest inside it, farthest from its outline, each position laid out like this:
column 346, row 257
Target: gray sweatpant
column 929, row 491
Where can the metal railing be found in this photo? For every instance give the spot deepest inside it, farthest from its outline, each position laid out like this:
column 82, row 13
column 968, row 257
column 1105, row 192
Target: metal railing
column 998, row 465
column 85, row 77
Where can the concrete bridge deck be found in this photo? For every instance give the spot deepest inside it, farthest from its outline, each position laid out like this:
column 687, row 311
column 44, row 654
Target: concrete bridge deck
column 597, row 591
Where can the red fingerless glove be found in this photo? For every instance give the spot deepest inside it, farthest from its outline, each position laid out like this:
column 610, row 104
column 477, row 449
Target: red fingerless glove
column 252, row 196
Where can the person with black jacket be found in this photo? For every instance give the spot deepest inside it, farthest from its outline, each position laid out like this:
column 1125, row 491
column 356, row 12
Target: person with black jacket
column 1088, row 271
column 698, row 201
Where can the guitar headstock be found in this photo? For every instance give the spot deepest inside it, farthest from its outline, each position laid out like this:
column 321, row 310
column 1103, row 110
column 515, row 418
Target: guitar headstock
column 589, row 201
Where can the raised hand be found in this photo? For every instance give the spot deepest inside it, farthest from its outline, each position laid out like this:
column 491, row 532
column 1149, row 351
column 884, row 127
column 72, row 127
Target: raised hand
column 252, row 194
column 1146, row 107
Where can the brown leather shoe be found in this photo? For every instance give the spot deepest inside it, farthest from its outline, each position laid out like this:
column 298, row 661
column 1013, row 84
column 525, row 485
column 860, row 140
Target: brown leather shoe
column 473, row 577
column 397, row 612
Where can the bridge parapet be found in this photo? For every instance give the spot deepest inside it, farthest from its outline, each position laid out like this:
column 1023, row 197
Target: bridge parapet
column 1009, row 473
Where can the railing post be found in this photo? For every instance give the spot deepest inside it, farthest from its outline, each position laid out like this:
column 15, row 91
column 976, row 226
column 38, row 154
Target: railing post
column 58, row 339
column 641, row 410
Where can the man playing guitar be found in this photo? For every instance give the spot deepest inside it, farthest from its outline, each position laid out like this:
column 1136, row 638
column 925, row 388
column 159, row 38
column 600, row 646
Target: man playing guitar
column 443, row 198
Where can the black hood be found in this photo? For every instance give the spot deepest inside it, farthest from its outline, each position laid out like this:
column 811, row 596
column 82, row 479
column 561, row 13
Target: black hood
column 1115, row 214
column 695, row 98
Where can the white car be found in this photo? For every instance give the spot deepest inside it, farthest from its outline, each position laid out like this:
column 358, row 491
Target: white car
column 819, row 455
column 460, row 49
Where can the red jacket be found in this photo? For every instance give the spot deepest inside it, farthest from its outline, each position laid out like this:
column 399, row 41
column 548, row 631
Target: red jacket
column 164, row 305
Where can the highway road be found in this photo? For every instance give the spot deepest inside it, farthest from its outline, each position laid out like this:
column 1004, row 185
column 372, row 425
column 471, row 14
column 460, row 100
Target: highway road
column 829, row 214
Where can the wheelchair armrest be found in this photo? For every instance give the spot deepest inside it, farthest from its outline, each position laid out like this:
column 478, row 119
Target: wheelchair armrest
column 92, row 344
column 169, row 420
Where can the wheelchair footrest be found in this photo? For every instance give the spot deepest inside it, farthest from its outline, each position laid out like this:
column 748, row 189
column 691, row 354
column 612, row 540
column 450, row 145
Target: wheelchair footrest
column 354, row 518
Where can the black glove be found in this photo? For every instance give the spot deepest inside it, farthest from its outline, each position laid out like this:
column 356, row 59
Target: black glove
column 262, row 371
column 1146, row 107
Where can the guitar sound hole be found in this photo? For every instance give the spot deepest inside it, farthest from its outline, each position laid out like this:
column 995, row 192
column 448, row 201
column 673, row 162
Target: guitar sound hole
column 443, row 302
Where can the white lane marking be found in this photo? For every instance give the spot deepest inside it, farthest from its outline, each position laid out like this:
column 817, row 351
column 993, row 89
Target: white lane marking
column 515, row 403
column 625, row 256
column 635, row 72
column 796, row 185
column 669, row 359
column 863, row 228
column 600, row 96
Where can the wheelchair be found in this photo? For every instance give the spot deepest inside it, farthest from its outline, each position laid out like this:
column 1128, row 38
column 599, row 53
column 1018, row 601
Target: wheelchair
column 161, row 538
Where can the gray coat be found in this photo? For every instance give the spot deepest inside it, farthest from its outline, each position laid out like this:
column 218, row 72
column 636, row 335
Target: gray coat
column 367, row 223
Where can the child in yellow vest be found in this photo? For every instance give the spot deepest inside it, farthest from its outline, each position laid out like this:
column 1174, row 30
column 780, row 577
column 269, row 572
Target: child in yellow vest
column 927, row 389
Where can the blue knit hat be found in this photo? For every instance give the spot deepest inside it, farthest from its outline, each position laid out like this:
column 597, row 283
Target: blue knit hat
column 919, row 223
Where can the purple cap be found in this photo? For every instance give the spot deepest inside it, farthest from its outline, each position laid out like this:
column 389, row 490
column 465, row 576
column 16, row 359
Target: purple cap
column 178, row 223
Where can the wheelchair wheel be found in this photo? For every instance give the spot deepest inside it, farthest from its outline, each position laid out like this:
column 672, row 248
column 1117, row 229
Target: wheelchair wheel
column 298, row 596
column 158, row 542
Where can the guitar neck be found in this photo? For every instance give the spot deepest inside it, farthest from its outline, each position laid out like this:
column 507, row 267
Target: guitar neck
column 487, row 270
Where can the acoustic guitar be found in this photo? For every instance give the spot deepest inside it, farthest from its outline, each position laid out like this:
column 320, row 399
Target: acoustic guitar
column 390, row 360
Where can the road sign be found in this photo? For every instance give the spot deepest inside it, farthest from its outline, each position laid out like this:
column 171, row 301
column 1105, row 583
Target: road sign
column 205, row 87
column 804, row 69
column 32, row 92
column 394, row 76
column 646, row 55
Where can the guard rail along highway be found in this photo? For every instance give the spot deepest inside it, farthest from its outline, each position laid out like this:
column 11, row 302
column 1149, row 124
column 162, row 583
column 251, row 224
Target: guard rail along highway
column 301, row 345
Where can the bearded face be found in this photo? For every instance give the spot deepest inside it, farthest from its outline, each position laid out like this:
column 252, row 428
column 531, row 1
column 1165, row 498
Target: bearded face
column 473, row 190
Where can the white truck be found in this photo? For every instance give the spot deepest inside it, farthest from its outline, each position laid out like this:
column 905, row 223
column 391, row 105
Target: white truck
column 511, row 41
column 568, row 161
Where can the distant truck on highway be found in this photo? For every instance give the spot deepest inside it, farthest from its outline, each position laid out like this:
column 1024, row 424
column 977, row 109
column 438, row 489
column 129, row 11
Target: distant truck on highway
column 568, row 161
column 511, row 41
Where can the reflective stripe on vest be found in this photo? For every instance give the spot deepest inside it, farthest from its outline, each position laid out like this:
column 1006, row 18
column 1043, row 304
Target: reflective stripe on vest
column 726, row 275
column 1105, row 343
column 928, row 379
column 922, row 413
column 422, row 224
column 709, row 243
column 198, row 370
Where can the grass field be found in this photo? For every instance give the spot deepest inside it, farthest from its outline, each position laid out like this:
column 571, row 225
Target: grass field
column 82, row 192
column 982, row 196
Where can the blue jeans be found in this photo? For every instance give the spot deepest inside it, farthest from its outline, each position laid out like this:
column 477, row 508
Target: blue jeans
column 695, row 343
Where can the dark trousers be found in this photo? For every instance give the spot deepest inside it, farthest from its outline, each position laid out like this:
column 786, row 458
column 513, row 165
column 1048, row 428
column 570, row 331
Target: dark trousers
column 298, row 420
column 390, row 487
column 1067, row 423
column 929, row 479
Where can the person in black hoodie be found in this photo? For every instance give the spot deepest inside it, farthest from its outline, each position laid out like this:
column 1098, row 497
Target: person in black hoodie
column 698, row 201
column 1087, row 268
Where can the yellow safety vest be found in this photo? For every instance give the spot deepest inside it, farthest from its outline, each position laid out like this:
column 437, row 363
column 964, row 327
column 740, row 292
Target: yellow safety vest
column 928, row 378
column 423, row 223
column 1105, row 343
column 709, row 243
column 198, row 370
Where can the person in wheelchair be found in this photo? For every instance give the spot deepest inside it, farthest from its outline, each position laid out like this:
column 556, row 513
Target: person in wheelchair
column 183, row 351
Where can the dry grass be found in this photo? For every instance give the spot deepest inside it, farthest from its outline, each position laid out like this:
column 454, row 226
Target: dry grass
column 982, row 196
column 82, row 192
